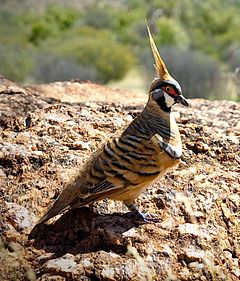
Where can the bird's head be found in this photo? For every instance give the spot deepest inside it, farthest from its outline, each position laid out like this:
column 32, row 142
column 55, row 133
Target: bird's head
column 164, row 90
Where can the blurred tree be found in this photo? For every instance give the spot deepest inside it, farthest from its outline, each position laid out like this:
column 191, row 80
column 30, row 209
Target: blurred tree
column 211, row 25
column 171, row 33
column 232, row 56
column 96, row 49
column 50, row 68
column 100, row 17
column 50, row 24
column 120, row 21
column 14, row 67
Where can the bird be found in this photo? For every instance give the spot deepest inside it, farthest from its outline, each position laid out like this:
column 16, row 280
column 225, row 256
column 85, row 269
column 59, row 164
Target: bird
column 128, row 163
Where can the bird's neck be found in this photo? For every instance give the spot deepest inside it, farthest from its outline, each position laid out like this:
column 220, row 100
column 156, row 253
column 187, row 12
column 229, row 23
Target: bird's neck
column 160, row 122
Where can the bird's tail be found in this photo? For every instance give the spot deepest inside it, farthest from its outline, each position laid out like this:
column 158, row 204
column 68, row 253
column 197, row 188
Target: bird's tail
column 52, row 212
column 61, row 204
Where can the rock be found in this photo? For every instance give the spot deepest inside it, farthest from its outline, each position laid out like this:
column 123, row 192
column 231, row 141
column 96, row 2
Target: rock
column 118, row 122
column 15, row 247
column 128, row 118
column 80, row 145
column 19, row 216
column 49, row 277
column 184, row 120
column 166, row 250
column 38, row 153
column 55, row 118
column 117, row 269
column 64, row 266
column 87, row 264
column 65, row 263
column 168, row 224
column 45, row 141
column 200, row 146
column 195, row 229
column 85, row 112
column 193, row 254
column 236, row 272
column 196, row 265
column 233, row 139
column 2, row 174
column 130, row 233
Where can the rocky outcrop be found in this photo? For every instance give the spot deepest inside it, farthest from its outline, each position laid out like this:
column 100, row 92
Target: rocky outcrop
column 45, row 138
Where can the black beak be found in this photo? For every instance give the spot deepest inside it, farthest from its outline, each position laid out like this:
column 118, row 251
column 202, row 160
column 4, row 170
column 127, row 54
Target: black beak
column 182, row 100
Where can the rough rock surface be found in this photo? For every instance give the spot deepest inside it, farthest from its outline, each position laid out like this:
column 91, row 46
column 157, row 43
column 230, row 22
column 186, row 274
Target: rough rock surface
column 48, row 131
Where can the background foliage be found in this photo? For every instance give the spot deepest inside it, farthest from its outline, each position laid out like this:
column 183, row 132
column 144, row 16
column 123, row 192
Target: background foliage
column 102, row 40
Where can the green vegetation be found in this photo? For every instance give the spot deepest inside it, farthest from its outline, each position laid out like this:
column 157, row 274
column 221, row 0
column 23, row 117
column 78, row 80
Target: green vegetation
column 91, row 47
column 101, row 42
column 51, row 24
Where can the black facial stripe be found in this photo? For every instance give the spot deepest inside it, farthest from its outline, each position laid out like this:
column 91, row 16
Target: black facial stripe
column 161, row 101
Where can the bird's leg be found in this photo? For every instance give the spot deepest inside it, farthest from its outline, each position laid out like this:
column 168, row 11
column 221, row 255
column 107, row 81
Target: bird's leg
column 141, row 216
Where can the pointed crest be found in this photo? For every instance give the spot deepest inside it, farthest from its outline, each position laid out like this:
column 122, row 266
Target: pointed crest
column 159, row 63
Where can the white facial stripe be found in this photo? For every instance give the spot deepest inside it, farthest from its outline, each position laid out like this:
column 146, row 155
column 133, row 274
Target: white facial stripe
column 169, row 100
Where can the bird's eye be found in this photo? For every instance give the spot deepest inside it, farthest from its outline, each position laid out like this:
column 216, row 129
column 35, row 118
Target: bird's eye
column 168, row 89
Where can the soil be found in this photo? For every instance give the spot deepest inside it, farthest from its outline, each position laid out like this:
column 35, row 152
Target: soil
column 47, row 132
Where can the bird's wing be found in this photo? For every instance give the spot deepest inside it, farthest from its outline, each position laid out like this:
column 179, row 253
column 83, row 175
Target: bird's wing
column 101, row 187
column 174, row 150
column 96, row 192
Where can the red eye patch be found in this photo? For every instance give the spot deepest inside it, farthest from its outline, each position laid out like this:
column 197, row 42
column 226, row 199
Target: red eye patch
column 170, row 90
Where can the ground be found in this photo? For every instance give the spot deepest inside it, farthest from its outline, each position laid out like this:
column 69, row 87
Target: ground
column 48, row 131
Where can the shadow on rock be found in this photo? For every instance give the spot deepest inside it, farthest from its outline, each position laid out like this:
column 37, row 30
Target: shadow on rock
column 83, row 231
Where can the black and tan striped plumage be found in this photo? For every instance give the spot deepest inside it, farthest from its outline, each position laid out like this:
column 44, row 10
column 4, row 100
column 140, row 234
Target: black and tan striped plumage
column 124, row 166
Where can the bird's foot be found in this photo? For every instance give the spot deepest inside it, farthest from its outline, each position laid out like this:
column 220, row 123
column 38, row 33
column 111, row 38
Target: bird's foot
column 148, row 218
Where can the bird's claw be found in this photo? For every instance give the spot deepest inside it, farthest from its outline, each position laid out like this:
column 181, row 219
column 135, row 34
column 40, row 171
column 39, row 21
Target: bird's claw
column 148, row 218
